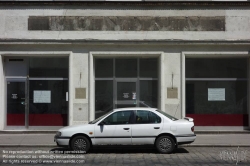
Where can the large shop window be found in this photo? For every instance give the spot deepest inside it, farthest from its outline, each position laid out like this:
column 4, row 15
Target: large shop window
column 216, row 91
column 40, row 97
column 48, row 87
column 125, row 82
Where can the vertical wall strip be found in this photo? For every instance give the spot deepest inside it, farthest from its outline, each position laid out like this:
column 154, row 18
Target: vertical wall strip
column 162, row 84
column 91, row 88
column 27, row 102
column 183, row 86
column 71, row 90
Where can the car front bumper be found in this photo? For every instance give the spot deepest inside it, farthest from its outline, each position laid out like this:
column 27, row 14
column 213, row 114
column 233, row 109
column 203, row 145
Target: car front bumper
column 62, row 141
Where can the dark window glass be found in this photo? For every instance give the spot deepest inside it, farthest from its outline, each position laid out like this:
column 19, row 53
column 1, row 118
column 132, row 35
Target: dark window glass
column 53, row 89
column 126, row 90
column 126, row 68
column 103, row 68
column 15, row 103
column 117, row 118
column 153, row 118
column 148, row 93
column 216, row 68
column 103, row 97
column 143, row 117
column 48, row 67
column 48, row 101
column 125, row 105
column 15, row 97
column 149, row 68
column 199, row 101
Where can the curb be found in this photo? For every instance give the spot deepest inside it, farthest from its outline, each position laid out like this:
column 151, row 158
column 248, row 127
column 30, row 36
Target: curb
column 25, row 145
column 194, row 145
column 222, row 132
column 28, row 132
column 221, row 145
column 196, row 132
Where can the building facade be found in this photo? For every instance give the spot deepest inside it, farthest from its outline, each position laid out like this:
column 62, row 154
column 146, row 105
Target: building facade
column 66, row 63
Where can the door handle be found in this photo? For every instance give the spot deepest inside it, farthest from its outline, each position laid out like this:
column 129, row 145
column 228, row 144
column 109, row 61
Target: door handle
column 126, row 128
column 156, row 127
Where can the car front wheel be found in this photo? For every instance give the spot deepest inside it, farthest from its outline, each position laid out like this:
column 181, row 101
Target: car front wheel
column 165, row 144
column 80, row 143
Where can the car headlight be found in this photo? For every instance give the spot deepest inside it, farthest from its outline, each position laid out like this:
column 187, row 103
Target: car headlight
column 58, row 134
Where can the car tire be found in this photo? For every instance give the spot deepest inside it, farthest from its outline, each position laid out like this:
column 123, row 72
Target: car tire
column 80, row 143
column 165, row 144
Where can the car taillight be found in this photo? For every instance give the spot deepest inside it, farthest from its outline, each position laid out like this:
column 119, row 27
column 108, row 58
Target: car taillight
column 192, row 129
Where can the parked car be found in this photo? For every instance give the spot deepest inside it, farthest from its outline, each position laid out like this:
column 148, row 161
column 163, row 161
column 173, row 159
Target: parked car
column 129, row 126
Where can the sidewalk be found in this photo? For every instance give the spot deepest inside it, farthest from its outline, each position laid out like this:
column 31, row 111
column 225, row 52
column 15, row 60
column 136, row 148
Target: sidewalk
column 202, row 140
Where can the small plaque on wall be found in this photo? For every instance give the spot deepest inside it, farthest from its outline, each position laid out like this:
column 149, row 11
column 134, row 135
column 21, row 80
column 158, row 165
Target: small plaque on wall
column 41, row 96
column 172, row 93
column 216, row 94
column 80, row 93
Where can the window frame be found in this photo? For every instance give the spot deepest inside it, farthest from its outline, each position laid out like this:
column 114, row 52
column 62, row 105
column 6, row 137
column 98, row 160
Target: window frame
column 131, row 117
column 149, row 118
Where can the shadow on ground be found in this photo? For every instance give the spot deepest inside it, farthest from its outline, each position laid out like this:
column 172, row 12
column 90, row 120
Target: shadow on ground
column 121, row 149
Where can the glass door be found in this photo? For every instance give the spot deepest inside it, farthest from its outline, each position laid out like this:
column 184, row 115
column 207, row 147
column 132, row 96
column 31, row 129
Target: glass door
column 16, row 102
column 126, row 93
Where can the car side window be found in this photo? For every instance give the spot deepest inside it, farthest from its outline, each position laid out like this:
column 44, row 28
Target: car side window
column 154, row 118
column 118, row 118
column 146, row 117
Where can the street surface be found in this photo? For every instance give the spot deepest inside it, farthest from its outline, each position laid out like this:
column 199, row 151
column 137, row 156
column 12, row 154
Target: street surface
column 129, row 155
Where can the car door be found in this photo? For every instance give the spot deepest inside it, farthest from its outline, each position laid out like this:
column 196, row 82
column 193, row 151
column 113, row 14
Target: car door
column 146, row 127
column 115, row 129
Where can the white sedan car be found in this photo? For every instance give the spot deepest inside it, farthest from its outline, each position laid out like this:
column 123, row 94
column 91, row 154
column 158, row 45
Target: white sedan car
column 129, row 126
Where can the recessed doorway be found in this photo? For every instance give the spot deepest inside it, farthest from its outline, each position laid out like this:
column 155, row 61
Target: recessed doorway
column 125, row 82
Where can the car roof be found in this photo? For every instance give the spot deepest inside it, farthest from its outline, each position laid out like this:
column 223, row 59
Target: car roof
column 135, row 108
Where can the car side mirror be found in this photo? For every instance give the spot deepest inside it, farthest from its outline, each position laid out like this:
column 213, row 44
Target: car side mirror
column 102, row 123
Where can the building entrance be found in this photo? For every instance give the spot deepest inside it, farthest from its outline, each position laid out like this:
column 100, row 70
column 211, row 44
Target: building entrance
column 125, row 82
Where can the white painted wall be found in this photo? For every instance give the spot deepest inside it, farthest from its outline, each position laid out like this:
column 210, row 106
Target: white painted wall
column 80, row 69
column 172, row 62
column 14, row 23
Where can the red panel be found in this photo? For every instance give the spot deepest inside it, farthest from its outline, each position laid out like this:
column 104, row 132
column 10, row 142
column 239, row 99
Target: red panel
column 15, row 119
column 219, row 119
column 37, row 120
column 48, row 119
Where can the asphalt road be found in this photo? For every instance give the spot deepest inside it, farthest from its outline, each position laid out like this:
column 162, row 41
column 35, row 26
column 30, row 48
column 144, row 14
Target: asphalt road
column 121, row 156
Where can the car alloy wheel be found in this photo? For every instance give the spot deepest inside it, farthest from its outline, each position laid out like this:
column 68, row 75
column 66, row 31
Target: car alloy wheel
column 80, row 143
column 165, row 144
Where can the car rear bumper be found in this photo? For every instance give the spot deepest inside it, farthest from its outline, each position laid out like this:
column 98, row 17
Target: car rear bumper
column 185, row 139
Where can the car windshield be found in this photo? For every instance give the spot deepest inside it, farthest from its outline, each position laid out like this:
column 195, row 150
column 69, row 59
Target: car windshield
column 96, row 120
column 167, row 115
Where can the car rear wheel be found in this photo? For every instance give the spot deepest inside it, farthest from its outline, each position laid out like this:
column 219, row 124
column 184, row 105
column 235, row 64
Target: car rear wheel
column 80, row 143
column 165, row 144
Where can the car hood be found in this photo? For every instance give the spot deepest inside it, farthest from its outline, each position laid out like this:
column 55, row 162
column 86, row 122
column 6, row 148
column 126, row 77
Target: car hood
column 76, row 127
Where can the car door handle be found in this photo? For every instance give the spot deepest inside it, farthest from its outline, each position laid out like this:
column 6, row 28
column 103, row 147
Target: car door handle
column 126, row 128
column 156, row 127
